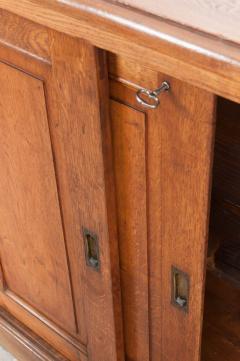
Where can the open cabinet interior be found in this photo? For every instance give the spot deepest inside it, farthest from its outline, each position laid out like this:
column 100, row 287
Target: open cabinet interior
column 221, row 325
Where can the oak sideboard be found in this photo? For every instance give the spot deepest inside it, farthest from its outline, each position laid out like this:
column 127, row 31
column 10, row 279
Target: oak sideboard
column 119, row 180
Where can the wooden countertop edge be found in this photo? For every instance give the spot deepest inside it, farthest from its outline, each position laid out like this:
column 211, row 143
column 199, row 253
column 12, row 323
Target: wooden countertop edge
column 206, row 61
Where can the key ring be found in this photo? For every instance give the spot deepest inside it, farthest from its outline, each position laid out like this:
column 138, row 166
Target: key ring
column 152, row 95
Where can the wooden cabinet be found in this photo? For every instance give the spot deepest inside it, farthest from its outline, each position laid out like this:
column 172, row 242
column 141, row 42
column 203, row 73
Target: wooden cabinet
column 104, row 203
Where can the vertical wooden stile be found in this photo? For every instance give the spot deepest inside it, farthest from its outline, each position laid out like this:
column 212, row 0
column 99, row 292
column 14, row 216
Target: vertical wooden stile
column 81, row 141
column 188, row 124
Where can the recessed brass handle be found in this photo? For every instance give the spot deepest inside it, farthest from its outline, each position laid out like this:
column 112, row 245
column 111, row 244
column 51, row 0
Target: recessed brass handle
column 150, row 98
column 180, row 289
column 91, row 249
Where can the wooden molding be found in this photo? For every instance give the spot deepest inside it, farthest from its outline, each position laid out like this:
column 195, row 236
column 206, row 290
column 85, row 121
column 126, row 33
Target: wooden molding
column 78, row 345
column 197, row 58
column 23, row 343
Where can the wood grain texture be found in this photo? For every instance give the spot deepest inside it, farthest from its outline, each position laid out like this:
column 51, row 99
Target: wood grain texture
column 71, row 346
column 39, row 323
column 162, row 203
column 32, row 244
column 108, row 159
column 123, row 89
column 24, row 35
column 179, row 151
column 129, row 147
column 131, row 73
column 187, row 119
column 67, row 72
column 216, row 17
column 74, row 109
column 201, row 60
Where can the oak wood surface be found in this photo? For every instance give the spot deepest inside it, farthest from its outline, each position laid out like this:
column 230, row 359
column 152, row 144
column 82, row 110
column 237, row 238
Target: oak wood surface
column 207, row 62
column 23, row 34
column 188, row 123
column 28, row 228
column 108, row 160
column 74, row 109
column 92, row 292
column 170, row 192
column 129, row 147
column 178, row 165
column 18, row 307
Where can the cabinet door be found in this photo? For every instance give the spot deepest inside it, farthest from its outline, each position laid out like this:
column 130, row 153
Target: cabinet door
column 162, row 160
column 55, row 229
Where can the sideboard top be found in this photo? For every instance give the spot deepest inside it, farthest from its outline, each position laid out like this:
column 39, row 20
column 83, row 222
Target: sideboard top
column 216, row 17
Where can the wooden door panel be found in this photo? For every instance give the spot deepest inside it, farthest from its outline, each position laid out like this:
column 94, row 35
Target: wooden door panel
column 129, row 144
column 65, row 125
column 178, row 149
column 188, row 123
column 78, row 109
column 32, row 244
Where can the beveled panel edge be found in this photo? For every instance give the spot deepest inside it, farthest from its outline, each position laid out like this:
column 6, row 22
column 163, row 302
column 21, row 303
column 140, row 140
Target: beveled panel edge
column 142, row 336
column 20, row 302
column 24, row 343
column 11, row 294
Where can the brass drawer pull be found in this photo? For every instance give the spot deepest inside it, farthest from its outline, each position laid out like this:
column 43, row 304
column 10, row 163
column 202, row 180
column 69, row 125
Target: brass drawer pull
column 151, row 100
